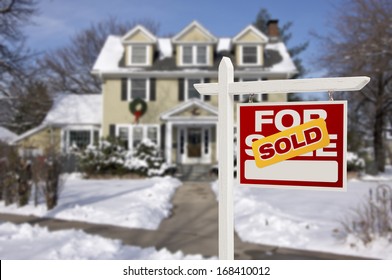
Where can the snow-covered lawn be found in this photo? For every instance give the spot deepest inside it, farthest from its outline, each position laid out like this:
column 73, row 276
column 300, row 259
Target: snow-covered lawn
column 34, row 242
column 306, row 219
column 291, row 218
column 128, row 203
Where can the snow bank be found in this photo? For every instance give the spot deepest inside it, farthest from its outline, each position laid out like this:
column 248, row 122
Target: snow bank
column 128, row 203
column 28, row 242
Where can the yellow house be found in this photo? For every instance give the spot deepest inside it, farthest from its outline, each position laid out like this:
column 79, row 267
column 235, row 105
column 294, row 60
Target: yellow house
column 147, row 88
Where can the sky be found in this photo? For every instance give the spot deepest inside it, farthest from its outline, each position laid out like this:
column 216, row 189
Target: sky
column 58, row 20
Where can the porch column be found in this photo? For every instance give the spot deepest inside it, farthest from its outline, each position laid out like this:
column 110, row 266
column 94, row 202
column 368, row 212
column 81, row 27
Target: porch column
column 168, row 142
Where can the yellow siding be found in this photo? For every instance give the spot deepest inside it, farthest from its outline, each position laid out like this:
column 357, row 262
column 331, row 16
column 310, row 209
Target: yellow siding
column 116, row 111
column 139, row 36
column 194, row 35
column 43, row 140
column 250, row 37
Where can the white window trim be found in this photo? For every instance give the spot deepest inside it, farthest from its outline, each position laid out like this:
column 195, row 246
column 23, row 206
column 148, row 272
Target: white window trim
column 129, row 89
column 130, row 133
column 65, row 146
column 194, row 55
column 148, row 51
column 258, row 54
column 186, row 87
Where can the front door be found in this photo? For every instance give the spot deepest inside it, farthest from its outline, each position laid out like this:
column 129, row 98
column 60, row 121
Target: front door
column 194, row 142
column 194, row 145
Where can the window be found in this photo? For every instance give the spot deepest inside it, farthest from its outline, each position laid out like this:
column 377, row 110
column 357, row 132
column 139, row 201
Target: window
column 130, row 136
column 249, row 55
column 139, row 89
column 201, row 55
column 137, row 136
column 138, row 55
column 152, row 134
column 79, row 138
column 187, row 56
column 194, row 55
column 192, row 92
column 123, row 135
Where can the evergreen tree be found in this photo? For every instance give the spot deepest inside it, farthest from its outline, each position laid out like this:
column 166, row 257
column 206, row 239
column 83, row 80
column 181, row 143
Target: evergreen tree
column 261, row 23
column 262, row 19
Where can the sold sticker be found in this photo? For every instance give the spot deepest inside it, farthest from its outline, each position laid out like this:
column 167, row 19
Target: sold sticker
column 291, row 142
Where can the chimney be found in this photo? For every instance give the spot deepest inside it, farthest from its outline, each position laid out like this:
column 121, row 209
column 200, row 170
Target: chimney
column 273, row 29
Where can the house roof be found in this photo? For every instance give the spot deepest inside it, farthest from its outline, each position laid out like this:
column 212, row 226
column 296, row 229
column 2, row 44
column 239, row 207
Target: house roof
column 254, row 30
column 194, row 24
column 70, row 109
column 7, row 135
column 191, row 103
column 75, row 109
column 277, row 60
column 139, row 28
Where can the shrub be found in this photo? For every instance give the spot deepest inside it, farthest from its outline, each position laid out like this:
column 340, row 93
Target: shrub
column 110, row 158
column 106, row 158
column 46, row 171
column 146, row 160
column 373, row 219
column 354, row 162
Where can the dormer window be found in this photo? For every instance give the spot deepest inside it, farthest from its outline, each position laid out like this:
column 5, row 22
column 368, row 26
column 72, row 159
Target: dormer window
column 194, row 55
column 138, row 55
column 249, row 47
column 249, row 55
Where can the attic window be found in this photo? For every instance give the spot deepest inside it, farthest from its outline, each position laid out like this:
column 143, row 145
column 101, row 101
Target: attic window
column 249, row 55
column 138, row 55
column 194, row 55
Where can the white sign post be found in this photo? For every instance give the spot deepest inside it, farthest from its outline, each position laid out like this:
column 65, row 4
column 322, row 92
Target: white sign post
column 226, row 89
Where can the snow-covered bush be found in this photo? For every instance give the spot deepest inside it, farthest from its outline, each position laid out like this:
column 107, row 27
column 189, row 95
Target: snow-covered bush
column 106, row 158
column 373, row 219
column 147, row 161
column 354, row 162
column 110, row 158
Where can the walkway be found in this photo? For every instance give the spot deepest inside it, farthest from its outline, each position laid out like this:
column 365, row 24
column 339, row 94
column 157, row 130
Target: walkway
column 192, row 228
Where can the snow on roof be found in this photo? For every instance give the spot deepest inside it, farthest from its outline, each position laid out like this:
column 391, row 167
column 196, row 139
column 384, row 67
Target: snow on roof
column 287, row 64
column 224, row 44
column 165, row 48
column 6, row 135
column 76, row 109
column 110, row 55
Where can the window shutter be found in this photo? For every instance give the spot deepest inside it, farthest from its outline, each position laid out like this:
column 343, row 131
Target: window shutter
column 207, row 97
column 181, row 90
column 112, row 131
column 152, row 89
column 124, row 89
column 236, row 97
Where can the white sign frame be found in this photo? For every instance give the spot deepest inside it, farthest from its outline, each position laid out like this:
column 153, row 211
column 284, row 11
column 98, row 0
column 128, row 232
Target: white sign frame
column 342, row 189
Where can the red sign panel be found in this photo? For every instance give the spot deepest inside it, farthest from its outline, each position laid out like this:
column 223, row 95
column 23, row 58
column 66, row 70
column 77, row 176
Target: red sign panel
column 286, row 157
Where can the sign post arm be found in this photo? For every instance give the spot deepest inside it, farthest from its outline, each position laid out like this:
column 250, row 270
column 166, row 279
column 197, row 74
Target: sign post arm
column 226, row 160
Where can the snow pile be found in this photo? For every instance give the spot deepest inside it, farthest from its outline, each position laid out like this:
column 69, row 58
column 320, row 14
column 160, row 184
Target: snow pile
column 34, row 242
column 287, row 64
column 110, row 55
column 301, row 219
column 224, row 45
column 165, row 48
column 128, row 203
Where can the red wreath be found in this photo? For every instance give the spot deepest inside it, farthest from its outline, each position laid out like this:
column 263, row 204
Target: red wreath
column 138, row 108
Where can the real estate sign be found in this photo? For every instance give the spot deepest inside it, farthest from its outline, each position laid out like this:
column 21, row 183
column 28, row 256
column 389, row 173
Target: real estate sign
column 293, row 144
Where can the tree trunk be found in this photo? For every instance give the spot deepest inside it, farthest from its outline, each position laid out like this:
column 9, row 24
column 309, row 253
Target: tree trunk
column 378, row 141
